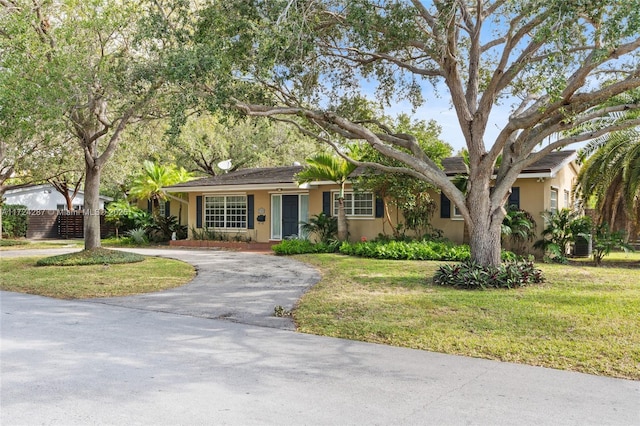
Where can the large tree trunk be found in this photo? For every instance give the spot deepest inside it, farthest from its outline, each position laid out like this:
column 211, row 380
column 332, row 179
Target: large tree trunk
column 92, row 207
column 485, row 229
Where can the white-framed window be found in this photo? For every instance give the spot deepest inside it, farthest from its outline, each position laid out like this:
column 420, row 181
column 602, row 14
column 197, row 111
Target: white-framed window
column 161, row 208
column 359, row 204
column 456, row 212
column 553, row 206
column 225, row 211
column 567, row 199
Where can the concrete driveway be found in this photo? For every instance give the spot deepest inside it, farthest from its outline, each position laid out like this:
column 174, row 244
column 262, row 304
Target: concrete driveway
column 117, row 362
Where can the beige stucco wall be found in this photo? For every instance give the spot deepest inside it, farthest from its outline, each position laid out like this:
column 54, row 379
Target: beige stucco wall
column 358, row 227
column 534, row 198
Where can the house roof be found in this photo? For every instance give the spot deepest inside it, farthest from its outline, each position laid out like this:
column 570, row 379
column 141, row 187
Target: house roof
column 284, row 177
column 549, row 164
column 42, row 187
column 259, row 176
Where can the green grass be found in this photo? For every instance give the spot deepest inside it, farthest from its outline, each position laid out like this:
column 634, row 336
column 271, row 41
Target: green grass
column 77, row 282
column 97, row 256
column 12, row 243
column 583, row 319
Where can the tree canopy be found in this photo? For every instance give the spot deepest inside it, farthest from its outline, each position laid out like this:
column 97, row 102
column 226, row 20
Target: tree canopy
column 553, row 62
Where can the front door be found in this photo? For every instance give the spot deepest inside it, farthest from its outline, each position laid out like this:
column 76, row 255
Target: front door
column 289, row 215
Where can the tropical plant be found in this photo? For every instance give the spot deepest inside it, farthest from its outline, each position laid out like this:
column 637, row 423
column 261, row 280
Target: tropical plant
column 163, row 229
column 610, row 177
column 153, row 177
column 519, row 226
column 561, row 229
column 605, row 240
column 138, row 235
column 327, row 167
column 323, row 226
column 472, row 275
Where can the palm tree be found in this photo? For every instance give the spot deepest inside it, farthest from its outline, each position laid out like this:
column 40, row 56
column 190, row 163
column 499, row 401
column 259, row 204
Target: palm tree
column 148, row 185
column 610, row 176
column 329, row 167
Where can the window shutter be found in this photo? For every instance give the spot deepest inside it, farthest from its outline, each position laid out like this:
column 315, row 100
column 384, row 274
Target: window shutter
column 167, row 208
column 445, row 206
column 379, row 207
column 199, row 211
column 149, row 206
column 514, row 197
column 326, row 203
column 250, row 211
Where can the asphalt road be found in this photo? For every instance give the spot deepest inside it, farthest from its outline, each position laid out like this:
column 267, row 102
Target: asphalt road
column 80, row 363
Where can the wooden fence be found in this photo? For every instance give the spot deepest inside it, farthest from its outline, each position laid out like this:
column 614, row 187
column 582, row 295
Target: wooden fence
column 61, row 224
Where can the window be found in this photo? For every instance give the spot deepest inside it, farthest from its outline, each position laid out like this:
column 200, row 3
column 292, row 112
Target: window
column 355, row 204
column 567, row 199
column 554, row 200
column 227, row 212
column 161, row 209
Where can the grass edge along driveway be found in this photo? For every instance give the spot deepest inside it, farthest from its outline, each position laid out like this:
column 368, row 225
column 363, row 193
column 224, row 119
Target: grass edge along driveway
column 583, row 319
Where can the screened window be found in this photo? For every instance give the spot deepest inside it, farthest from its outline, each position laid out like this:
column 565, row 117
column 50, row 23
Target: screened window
column 355, row 203
column 229, row 211
column 554, row 200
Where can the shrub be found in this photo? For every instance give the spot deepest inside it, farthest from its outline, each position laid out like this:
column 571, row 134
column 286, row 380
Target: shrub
column 14, row 220
column 162, row 229
column 288, row 247
column 138, row 235
column 407, row 250
column 471, row 275
column 605, row 240
column 324, row 227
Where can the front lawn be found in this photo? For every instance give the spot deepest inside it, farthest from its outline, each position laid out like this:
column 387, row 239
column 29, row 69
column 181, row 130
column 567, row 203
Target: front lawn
column 104, row 280
column 582, row 319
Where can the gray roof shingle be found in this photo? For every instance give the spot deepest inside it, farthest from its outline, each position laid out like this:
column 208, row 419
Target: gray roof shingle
column 275, row 175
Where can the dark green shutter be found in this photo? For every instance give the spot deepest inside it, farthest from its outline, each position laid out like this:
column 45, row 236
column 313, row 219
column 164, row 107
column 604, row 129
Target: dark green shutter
column 379, row 207
column 326, row 203
column 445, row 206
column 149, row 206
column 250, row 211
column 199, row 211
column 514, row 197
column 167, row 208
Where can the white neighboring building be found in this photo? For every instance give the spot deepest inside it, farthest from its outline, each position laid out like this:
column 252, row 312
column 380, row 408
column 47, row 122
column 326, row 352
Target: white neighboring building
column 45, row 197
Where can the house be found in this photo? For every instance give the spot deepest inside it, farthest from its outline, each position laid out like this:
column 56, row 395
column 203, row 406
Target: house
column 266, row 204
column 45, row 197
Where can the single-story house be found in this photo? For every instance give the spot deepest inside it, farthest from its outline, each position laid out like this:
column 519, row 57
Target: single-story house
column 45, row 197
column 266, row 204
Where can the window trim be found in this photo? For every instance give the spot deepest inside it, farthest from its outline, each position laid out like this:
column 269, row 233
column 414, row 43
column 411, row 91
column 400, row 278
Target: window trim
column 205, row 216
column 334, row 206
